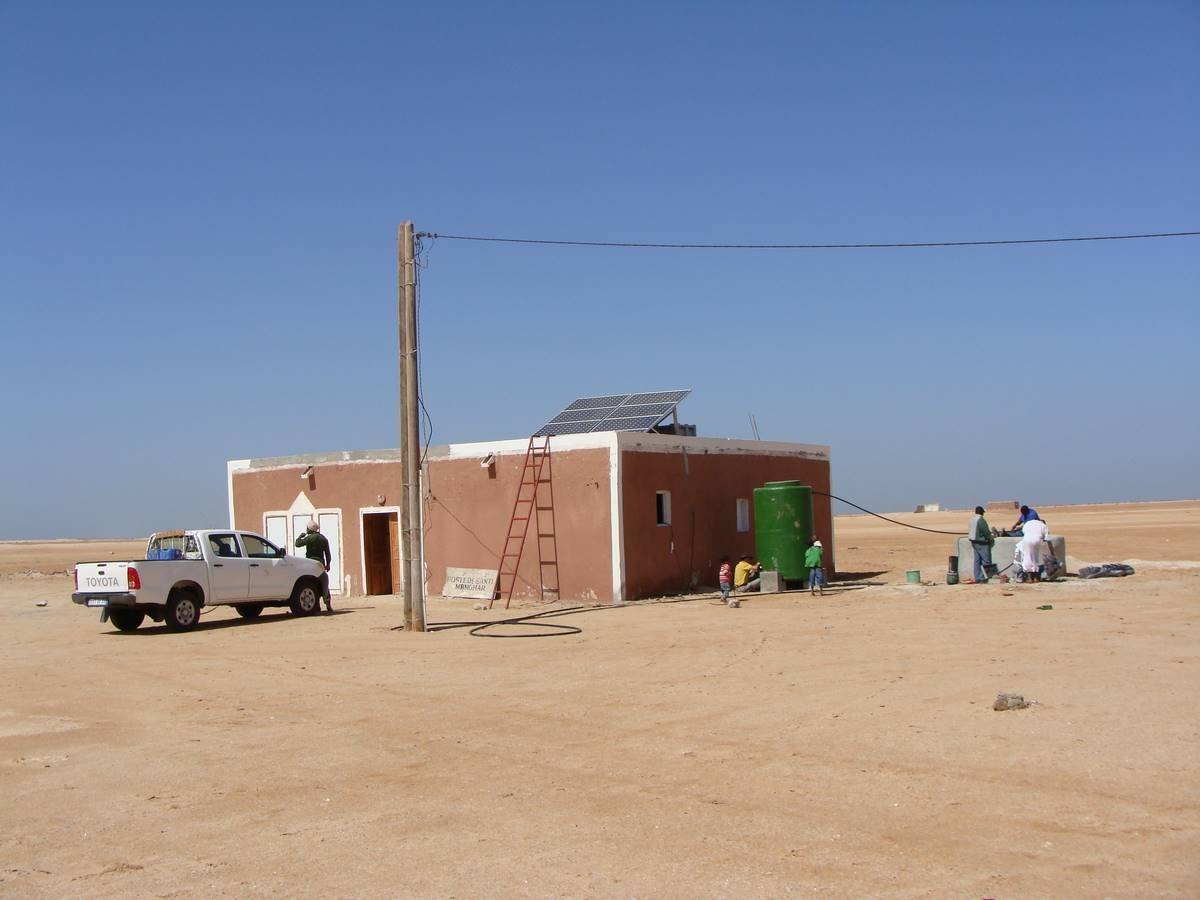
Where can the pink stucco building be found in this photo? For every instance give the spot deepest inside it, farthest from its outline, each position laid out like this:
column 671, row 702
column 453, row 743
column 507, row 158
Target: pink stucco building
column 636, row 514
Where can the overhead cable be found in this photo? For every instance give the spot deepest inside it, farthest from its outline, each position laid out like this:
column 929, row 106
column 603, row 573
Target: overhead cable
column 885, row 518
column 856, row 246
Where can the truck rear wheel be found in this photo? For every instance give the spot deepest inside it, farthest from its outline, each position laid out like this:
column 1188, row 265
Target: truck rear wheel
column 183, row 610
column 249, row 610
column 126, row 619
column 306, row 598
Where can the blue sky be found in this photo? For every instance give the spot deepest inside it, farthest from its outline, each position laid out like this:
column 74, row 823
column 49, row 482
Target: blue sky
column 198, row 206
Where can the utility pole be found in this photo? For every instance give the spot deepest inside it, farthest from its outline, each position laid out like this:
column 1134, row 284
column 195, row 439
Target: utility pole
column 412, row 545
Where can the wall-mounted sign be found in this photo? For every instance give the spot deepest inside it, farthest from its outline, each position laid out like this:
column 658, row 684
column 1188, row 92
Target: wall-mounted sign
column 474, row 584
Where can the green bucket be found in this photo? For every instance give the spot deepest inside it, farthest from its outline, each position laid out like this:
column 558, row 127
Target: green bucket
column 951, row 578
column 913, row 576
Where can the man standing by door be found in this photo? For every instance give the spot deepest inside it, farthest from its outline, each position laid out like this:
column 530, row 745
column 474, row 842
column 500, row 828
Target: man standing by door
column 316, row 546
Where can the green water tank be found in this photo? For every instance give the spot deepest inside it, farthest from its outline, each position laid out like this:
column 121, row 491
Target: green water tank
column 783, row 524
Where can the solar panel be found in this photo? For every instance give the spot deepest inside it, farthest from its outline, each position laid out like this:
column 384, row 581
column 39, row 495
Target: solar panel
column 574, row 415
column 616, row 412
column 592, row 402
column 647, row 409
column 628, row 423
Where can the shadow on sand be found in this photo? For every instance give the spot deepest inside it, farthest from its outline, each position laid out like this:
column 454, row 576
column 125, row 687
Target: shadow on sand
column 855, row 576
column 281, row 614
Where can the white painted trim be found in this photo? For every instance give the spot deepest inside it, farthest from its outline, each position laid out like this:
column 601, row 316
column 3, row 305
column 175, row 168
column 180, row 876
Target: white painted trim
column 617, row 514
column 833, row 521
column 233, row 465
column 288, row 463
column 422, row 479
column 642, row 441
column 302, row 505
column 739, row 504
column 559, row 443
column 362, row 543
column 672, row 443
column 666, row 507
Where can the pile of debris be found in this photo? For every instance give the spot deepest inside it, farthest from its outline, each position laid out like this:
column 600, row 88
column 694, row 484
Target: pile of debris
column 1106, row 570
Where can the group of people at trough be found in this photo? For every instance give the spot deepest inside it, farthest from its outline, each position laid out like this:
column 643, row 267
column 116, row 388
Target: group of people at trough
column 1033, row 557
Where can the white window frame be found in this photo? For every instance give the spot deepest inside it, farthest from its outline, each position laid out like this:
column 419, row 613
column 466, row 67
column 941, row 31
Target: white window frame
column 341, row 545
column 665, row 520
column 281, row 514
column 292, row 550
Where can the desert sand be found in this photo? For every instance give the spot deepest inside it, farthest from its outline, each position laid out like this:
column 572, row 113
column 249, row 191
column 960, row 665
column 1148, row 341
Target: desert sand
column 836, row 746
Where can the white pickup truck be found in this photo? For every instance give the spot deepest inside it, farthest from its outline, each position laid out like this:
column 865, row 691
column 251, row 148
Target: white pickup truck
column 185, row 571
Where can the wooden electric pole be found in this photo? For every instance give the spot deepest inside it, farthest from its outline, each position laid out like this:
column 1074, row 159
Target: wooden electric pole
column 412, row 545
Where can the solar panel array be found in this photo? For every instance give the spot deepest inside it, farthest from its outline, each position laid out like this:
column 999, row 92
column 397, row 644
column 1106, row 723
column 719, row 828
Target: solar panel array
column 616, row 412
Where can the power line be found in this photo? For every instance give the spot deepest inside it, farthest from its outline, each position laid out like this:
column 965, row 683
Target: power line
column 860, row 246
column 885, row 518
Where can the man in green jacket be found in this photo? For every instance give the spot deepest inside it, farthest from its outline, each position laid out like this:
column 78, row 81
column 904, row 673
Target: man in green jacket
column 316, row 546
column 979, row 533
column 816, row 572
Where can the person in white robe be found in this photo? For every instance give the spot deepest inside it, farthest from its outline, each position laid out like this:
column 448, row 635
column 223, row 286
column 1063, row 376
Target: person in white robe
column 1032, row 547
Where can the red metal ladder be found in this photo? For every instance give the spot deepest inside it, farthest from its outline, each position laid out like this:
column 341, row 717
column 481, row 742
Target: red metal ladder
column 534, row 503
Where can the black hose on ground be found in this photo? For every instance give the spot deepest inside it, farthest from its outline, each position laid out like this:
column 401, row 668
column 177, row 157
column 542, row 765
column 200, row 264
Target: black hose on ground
column 478, row 629
column 533, row 619
column 553, row 629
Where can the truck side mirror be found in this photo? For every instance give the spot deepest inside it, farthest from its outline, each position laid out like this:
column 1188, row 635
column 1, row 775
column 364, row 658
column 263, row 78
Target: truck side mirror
column 280, row 553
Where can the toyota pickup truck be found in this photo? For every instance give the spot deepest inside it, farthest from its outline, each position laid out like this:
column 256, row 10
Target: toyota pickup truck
column 186, row 571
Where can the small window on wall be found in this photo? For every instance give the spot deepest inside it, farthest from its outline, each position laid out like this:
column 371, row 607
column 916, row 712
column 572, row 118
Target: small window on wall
column 743, row 515
column 662, row 501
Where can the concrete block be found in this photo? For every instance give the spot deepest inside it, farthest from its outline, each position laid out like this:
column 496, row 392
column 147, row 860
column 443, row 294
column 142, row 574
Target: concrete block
column 770, row 582
column 1003, row 552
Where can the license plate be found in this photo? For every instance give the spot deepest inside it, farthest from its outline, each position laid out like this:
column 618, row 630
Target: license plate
column 97, row 601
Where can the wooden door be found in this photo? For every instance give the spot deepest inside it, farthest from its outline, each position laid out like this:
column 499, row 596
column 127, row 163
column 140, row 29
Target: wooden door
column 393, row 551
column 379, row 537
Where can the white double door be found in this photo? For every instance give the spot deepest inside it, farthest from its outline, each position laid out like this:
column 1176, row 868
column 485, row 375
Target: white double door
column 284, row 529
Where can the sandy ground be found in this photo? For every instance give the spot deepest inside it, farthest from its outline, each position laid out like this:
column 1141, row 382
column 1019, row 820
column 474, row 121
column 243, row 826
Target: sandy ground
column 57, row 557
column 843, row 746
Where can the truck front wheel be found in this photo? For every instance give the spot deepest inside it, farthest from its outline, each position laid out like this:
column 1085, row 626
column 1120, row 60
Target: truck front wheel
column 183, row 610
column 126, row 619
column 306, row 598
